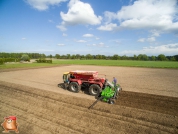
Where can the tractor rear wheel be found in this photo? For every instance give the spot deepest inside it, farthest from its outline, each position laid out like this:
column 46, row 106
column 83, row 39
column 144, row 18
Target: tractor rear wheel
column 74, row 87
column 94, row 90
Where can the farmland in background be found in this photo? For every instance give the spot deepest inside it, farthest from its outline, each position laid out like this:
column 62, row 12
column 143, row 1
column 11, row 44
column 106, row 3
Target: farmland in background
column 126, row 63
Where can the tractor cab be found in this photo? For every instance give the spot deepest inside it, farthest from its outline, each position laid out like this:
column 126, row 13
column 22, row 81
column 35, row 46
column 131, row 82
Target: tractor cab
column 66, row 77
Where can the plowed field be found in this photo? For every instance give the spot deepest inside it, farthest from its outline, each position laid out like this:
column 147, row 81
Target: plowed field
column 148, row 103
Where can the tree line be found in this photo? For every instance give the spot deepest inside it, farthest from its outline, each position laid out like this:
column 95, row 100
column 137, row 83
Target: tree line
column 143, row 57
column 19, row 55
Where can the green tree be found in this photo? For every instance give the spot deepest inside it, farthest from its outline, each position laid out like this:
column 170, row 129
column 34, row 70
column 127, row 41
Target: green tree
column 99, row 56
column 115, row 57
column 73, row 57
column 173, row 58
column 63, row 57
column 176, row 57
column 103, row 57
column 142, row 57
column 161, row 57
column 153, row 58
column 57, row 56
column 135, row 57
column 25, row 57
column 88, row 56
column 42, row 56
column 68, row 56
column 124, row 57
column 50, row 56
column 77, row 56
column 139, row 57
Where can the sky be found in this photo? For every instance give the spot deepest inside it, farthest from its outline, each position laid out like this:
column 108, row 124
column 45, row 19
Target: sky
column 105, row 27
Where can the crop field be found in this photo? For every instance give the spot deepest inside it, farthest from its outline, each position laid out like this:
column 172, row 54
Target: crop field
column 148, row 103
column 125, row 63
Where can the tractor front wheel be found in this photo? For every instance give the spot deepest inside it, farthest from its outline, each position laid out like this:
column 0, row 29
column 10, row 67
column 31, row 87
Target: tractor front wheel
column 74, row 87
column 94, row 90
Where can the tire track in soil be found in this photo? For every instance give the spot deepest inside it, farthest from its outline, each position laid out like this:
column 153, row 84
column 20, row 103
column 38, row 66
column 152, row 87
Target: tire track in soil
column 24, row 103
column 65, row 114
column 59, row 104
column 30, row 124
column 162, row 104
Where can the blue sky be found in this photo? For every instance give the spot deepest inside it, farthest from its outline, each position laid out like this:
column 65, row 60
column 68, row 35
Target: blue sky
column 123, row 27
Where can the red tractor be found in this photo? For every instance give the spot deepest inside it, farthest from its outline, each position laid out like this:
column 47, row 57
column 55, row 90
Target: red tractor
column 74, row 80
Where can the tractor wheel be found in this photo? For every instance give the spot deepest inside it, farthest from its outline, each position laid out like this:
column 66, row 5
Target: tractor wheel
column 66, row 86
column 94, row 90
column 74, row 87
column 111, row 101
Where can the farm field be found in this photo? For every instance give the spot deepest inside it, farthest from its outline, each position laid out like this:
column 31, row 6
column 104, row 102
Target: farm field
column 121, row 63
column 147, row 104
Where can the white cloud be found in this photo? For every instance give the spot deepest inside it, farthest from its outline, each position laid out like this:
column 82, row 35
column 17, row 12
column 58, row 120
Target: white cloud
column 141, row 40
column 109, row 16
column 82, row 41
column 150, row 39
column 61, row 44
column 159, row 15
column 169, row 49
column 108, row 27
column 149, row 8
column 51, row 21
column 61, row 27
column 88, row 35
column 116, row 42
column 24, row 38
column 43, row 4
column 101, row 44
column 64, row 34
column 91, row 45
column 155, row 33
column 79, row 13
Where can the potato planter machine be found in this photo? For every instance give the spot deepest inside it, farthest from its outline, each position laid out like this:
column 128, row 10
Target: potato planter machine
column 99, row 87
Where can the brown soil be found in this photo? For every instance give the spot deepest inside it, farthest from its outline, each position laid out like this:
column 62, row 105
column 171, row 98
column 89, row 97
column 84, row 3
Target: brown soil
column 147, row 104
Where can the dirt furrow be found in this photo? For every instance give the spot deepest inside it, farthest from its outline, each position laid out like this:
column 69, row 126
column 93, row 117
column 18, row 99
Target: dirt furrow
column 162, row 104
column 87, row 120
column 128, row 126
column 29, row 123
column 50, row 115
column 70, row 116
column 64, row 108
column 42, row 107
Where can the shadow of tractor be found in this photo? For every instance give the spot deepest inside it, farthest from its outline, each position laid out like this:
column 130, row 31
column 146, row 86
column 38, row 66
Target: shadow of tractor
column 66, row 87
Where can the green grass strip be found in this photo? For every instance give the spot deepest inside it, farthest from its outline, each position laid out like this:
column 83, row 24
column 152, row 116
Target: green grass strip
column 123, row 63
